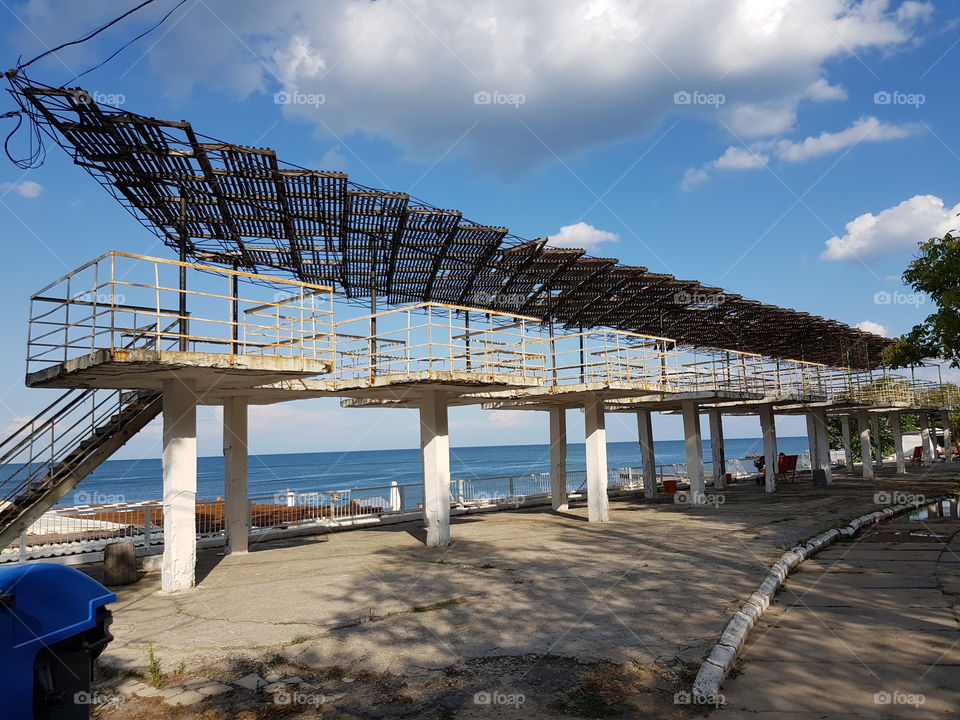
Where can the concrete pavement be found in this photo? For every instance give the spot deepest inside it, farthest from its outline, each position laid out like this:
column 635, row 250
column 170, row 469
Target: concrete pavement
column 868, row 628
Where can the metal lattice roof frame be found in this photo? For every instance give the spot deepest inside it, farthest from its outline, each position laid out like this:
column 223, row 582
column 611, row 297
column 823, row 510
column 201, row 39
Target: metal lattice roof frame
column 231, row 204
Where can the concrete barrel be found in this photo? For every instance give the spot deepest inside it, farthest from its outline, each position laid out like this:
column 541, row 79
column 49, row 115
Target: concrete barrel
column 120, row 564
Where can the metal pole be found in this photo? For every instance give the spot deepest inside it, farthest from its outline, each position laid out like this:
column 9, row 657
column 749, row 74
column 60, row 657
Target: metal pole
column 235, row 312
column 184, row 328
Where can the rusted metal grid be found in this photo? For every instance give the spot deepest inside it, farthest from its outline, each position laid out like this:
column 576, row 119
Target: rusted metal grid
column 231, row 204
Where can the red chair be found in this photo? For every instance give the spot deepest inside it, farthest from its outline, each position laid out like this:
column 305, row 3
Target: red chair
column 917, row 458
column 787, row 468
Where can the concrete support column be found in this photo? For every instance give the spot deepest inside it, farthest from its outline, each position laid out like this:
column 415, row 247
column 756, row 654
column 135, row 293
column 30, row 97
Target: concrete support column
column 235, row 455
column 847, row 446
column 925, row 441
column 823, row 443
column 898, row 443
column 693, row 441
column 934, row 445
column 768, row 430
column 647, row 458
column 596, row 437
column 179, row 485
column 866, row 446
column 558, row 458
column 435, row 448
column 716, row 449
column 947, row 436
column 813, row 441
column 875, row 437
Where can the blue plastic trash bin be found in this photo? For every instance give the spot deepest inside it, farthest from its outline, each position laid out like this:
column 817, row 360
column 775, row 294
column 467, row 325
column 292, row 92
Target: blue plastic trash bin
column 53, row 625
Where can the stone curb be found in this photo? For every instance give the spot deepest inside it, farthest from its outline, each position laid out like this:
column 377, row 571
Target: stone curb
column 722, row 657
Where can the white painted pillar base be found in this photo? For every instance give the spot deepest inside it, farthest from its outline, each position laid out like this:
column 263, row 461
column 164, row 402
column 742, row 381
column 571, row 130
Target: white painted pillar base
column 178, row 571
column 596, row 436
column 693, row 442
column 647, row 457
column 875, row 438
column 235, row 465
column 898, row 443
column 768, row 431
column 947, row 437
column 558, row 459
column 823, row 443
column 435, row 449
column 847, row 445
column 716, row 449
column 866, row 446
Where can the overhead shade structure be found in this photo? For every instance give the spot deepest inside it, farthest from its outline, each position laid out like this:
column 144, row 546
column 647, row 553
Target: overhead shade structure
column 224, row 203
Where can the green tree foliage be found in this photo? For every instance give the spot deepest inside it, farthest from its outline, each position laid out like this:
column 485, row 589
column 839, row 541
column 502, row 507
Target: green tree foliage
column 935, row 272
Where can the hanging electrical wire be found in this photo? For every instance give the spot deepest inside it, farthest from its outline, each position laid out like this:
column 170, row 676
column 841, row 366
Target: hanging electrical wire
column 36, row 150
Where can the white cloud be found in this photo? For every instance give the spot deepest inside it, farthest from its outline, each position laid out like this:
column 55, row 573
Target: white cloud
column 871, row 327
column 899, row 227
column 581, row 235
column 823, row 91
column 25, row 188
column 867, row 129
column 738, row 158
column 334, row 159
column 591, row 73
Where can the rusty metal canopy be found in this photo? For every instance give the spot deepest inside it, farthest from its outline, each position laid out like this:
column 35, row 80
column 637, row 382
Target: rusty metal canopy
column 238, row 205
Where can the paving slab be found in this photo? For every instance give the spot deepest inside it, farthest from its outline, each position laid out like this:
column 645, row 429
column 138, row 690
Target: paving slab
column 857, row 634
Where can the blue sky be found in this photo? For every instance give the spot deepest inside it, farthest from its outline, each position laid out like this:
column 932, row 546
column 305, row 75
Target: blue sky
column 793, row 151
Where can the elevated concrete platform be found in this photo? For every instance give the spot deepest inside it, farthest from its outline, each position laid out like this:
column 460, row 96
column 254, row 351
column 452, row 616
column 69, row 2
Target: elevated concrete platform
column 393, row 390
column 140, row 369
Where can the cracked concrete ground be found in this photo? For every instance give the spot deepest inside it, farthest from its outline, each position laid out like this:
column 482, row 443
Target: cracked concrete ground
column 870, row 628
column 657, row 582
